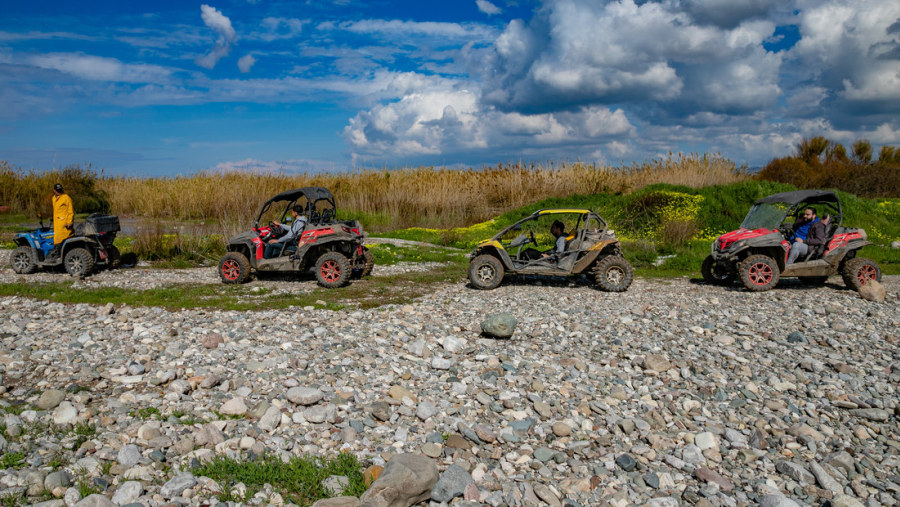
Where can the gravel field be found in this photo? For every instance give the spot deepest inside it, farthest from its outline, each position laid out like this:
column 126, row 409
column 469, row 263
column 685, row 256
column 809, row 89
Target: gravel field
column 672, row 393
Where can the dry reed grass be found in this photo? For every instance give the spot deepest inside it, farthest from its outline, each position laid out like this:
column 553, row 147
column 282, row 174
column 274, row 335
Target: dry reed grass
column 421, row 197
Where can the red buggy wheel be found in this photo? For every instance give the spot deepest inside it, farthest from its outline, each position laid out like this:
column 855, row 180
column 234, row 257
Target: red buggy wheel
column 759, row 273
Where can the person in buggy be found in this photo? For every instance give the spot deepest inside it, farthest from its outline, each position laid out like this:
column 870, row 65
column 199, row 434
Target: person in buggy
column 557, row 229
column 276, row 247
column 809, row 232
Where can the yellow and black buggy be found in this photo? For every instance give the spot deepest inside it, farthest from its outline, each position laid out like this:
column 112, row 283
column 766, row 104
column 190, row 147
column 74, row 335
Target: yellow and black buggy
column 528, row 248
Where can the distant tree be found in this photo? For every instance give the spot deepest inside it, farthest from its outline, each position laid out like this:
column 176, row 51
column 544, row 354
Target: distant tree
column 809, row 150
column 888, row 154
column 862, row 151
column 837, row 152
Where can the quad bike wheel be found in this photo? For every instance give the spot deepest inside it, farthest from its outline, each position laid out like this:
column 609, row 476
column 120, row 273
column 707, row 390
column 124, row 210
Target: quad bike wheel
column 613, row 273
column 332, row 270
column 759, row 273
column 859, row 271
column 78, row 262
column 22, row 260
column 234, row 268
column 717, row 273
column 485, row 272
column 364, row 264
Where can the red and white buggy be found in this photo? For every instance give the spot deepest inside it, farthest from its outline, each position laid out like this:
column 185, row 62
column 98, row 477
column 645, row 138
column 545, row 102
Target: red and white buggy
column 332, row 248
column 757, row 252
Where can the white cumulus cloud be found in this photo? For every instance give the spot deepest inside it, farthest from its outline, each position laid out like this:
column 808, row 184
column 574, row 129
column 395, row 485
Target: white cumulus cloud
column 221, row 25
column 487, row 7
column 245, row 63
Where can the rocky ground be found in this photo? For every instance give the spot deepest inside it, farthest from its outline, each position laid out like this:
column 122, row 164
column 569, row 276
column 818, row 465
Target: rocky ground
column 672, row 393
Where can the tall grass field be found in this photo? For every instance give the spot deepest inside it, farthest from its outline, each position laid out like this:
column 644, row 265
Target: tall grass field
column 382, row 199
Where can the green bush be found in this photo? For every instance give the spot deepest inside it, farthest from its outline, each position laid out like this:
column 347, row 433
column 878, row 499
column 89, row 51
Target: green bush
column 30, row 192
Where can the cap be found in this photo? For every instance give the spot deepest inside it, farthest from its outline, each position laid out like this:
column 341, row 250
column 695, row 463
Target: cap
column 58, row 187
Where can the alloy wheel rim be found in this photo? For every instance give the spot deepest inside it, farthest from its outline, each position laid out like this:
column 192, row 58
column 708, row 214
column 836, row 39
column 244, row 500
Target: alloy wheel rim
column 230, row 269
column 331, row 271
column 615, row 275
column 21, row 261
column 760, row 273
column 865, row 274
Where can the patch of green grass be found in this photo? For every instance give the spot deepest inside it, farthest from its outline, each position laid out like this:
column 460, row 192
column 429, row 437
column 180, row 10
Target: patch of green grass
column 85, row 486
column 15, row 408
column 14, row 499
column 12, row 460
column 299, row 480
column 146, row 413
column 56, row 461
column 386, row 254
column 85, row 431
column 225, row 417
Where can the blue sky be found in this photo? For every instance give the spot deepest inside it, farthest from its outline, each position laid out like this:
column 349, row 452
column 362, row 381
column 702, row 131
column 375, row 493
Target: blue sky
column 173, row 87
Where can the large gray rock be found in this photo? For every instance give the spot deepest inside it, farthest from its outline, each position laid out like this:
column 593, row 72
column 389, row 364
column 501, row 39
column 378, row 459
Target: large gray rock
column 304, row 395
column 128, row 492
column 825, row 479
column 796, row 472
column 452, row 484
column 873, row 414
column 777, row 501
column 50, row 399
column 657, row 362
column 873, row 291
column 499, row 325
column 178, row 484
column 270, row 419
column 845, row 501
column 129, row 455
column 407, row 479
column 234, row 406
column 95, row 500
column 65, row 414
column 60, row 479
column 339, row 501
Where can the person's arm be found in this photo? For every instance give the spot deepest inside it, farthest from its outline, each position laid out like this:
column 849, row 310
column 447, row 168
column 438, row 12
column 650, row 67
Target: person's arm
column 295, row 230
column 561, row 244
column 69, row 212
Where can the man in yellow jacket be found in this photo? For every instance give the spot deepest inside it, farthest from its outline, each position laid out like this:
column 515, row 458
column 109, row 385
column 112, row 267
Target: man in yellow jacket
column 63, row 217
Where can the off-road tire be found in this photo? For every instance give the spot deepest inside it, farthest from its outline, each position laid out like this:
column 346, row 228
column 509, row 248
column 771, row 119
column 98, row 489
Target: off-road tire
column 759, row 273
column 613, row 273
column 113, row 258
column 858, row 271
column 79, row 262
column 332, row 270
column 234, row 268
column 716, row 275
column 813, row 280
column 364, row 264
column 22, row 260
column 486, row 272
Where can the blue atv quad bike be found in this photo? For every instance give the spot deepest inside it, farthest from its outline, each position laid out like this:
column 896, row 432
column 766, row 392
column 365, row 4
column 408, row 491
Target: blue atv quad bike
column 89, row 247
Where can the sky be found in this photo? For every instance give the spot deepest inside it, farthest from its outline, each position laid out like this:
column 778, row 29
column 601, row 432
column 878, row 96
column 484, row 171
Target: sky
column 174, row 87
